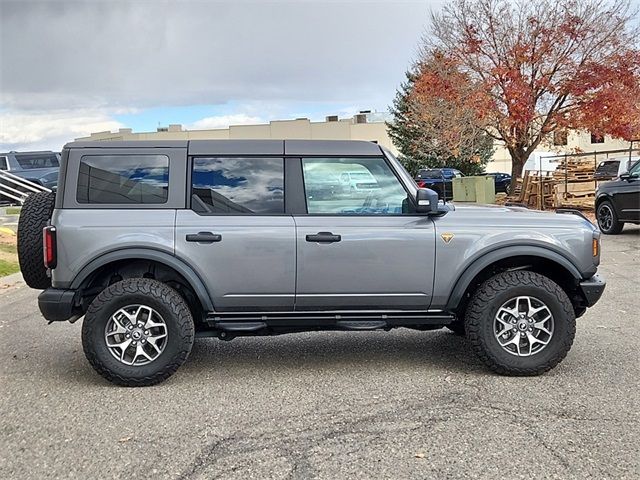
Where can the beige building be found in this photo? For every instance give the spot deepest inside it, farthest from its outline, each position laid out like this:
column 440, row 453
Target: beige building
column 362, row 126
column 366, row 125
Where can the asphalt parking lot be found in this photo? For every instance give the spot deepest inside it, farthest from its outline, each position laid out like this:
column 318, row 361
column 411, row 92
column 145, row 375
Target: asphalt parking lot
column 403, row 404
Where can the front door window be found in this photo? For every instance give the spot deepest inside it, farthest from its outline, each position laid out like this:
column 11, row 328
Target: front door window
column 352, row 186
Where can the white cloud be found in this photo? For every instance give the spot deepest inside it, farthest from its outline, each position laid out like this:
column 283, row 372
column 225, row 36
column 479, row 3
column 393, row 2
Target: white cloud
column 223, row 121
column 146, row 54
column 35, row 131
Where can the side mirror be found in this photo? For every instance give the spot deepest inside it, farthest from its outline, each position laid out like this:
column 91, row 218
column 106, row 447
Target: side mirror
column 426, row 201
column 625, row 176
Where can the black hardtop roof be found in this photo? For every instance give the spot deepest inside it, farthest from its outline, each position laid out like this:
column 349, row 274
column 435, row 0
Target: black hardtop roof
column 246, row 147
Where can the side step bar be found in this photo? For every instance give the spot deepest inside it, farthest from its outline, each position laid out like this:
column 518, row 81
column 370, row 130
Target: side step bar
column 313, row 320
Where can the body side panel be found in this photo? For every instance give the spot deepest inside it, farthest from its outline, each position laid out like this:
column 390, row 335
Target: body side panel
column 85, row 234
column 478, row 231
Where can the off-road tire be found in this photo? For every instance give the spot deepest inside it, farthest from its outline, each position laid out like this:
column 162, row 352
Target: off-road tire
column 484, row 305
column 167, row 302
column 616, row 225
column 34, row 216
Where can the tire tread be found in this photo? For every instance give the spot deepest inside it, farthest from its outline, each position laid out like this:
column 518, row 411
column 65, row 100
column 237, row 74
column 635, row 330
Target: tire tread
column 476, row 310
column 145, row 286
column 34, row 216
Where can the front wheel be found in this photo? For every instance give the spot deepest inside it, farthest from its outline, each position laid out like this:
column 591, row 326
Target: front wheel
column 520, row 323
column 137, row 332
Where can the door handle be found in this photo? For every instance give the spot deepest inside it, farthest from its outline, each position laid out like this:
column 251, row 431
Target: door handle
column 204, row 237
column 324, row 237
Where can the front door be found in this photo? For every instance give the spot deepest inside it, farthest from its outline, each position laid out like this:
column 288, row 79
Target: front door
column 236, row 233
column 359, row 246
column 629, row 195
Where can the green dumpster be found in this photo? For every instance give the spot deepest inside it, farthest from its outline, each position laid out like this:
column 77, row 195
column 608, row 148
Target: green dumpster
column 480, row 189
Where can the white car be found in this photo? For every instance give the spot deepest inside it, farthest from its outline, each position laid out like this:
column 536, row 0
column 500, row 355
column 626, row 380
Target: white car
column 357, row 181
column 614, row 167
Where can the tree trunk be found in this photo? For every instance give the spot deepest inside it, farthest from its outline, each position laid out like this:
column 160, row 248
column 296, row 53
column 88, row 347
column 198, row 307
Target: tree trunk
column 518, row 158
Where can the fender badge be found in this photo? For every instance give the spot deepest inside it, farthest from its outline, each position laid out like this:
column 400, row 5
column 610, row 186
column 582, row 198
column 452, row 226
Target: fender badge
column 446, row 237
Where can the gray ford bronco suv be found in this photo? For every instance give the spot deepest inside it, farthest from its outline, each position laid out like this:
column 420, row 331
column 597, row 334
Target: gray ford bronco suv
column 157, row 243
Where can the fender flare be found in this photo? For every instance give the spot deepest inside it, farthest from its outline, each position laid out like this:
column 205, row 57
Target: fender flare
column 159, row 256
column 480, row 262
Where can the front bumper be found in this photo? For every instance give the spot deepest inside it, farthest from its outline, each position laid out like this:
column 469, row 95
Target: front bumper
column 58, row 305
column 592, row 289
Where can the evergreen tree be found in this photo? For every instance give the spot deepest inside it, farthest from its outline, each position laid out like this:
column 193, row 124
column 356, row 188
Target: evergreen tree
column 419, row 138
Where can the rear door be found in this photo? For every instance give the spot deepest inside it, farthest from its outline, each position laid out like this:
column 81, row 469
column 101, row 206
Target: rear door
column 236, row 233
column 362, row 248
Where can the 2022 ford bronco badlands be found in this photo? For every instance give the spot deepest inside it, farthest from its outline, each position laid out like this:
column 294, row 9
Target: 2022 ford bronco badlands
column 156, row 243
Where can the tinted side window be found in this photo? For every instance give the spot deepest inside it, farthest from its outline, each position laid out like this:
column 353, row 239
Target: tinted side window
column 371, row 188
column 238, row 185
column 3, row 163
column 40, row 160
column 123, row 179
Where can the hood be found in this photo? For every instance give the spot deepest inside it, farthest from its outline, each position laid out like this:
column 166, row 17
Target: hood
column 520, row 216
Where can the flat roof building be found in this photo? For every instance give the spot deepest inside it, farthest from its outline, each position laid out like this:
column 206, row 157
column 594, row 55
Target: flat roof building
column 365, row 125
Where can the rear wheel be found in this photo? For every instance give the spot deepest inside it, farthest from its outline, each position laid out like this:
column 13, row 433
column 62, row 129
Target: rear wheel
column 608, row 219
column 520, row 323
column 34, row 216
column 137, row 332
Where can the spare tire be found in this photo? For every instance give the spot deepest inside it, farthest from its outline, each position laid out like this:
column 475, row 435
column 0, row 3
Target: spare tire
column 34, row 216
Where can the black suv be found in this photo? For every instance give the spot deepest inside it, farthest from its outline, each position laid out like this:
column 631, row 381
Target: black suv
column 618, row 201
column 440, row 180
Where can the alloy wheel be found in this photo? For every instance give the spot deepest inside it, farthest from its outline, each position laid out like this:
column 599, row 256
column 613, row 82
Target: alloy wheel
column 136, row 335
column 523, row 326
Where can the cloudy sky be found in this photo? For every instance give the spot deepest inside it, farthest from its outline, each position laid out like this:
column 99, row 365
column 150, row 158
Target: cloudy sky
column 69, row 68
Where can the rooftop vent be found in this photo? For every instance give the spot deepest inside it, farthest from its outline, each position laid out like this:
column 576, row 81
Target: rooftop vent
column 360, row 118
column 331, row 118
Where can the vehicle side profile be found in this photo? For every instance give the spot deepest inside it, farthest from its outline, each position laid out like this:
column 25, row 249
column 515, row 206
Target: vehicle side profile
column 618, row 201
column 156, row 243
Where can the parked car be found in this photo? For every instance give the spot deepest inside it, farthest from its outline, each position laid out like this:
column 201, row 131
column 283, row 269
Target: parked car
column 502, row 181
column 440, row 180
column 39, row 167
column 618, row 201
column 359, row 181
column 614, row 167
column 155, row 243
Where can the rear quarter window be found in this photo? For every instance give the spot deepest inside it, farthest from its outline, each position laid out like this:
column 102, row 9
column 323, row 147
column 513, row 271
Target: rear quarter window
column 123, row 179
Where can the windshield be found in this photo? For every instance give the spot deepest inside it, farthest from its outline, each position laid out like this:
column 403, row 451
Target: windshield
column 29, row 161
column 635, row 170
column 609, row 167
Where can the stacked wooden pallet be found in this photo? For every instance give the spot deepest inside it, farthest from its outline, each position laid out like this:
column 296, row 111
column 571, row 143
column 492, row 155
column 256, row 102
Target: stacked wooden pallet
column 576, row 194
column 535, row 190
column 545, row 191
column 575, row 169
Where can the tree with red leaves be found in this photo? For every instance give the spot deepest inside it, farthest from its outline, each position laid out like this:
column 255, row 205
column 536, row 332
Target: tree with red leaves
column 540, row 66
column 443, row 130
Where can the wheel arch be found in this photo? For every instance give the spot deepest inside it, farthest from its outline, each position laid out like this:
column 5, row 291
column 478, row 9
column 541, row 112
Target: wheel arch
column 128, row 258
column 538, row 259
